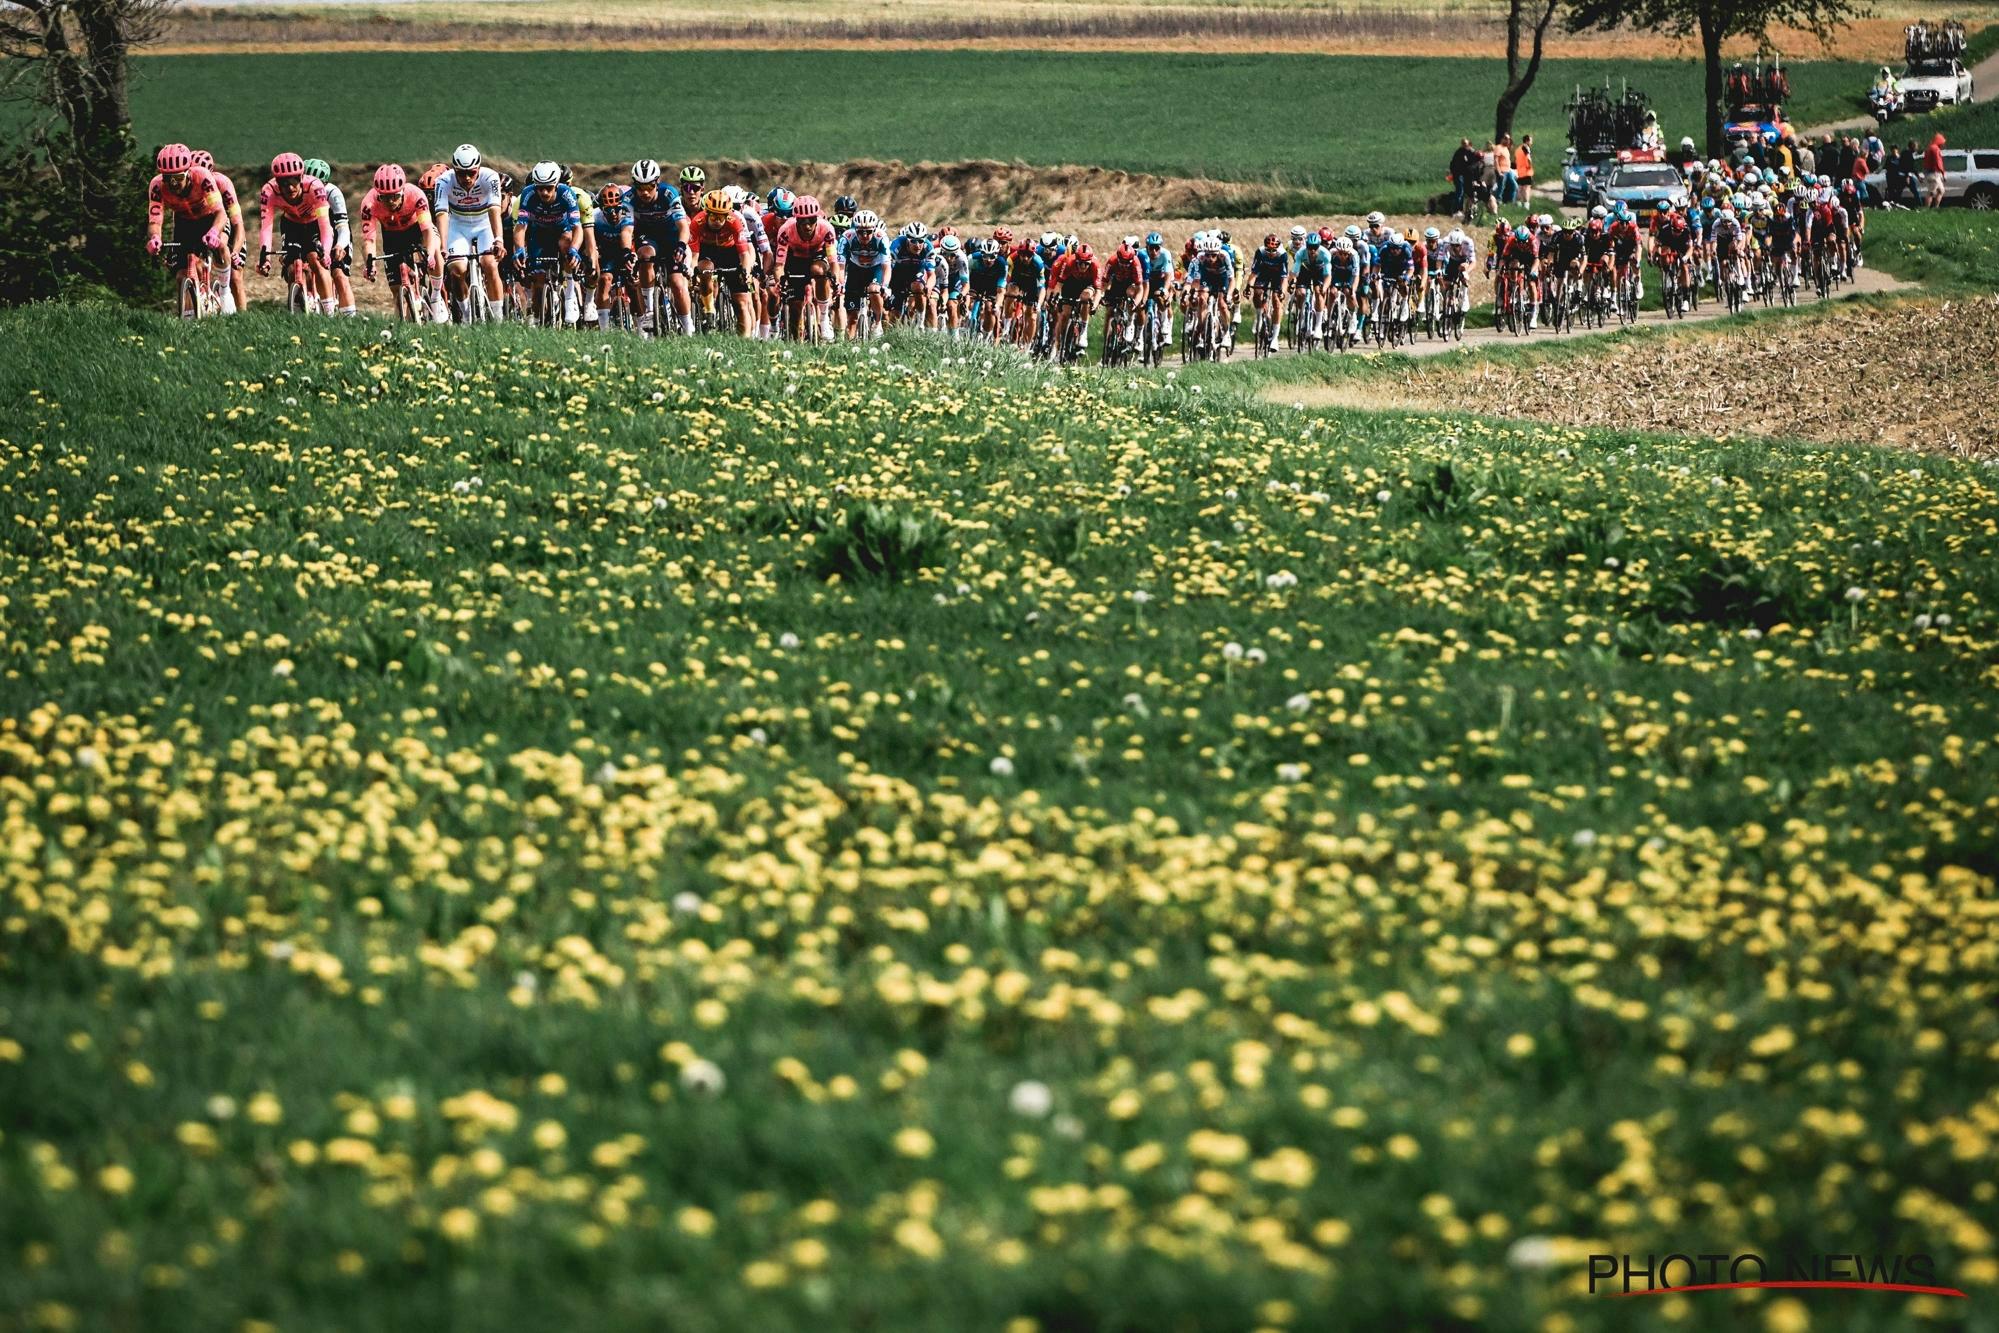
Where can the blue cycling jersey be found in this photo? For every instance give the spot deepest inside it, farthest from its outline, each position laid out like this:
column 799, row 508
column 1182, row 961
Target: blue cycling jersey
column 1158, row 267
column 1269, row 267
column 610, row 224
column 987, row 272
column 906, row 252
column 558, row 212
column 1216, row 269
column 859, row 251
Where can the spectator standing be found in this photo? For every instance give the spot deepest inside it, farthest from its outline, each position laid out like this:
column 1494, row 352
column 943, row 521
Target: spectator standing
column 1466, row 168
column 1877, row 152
column 1933, row 172
column 1508, row 184
column 1897, row 167
column 1523, row 168
column 1808, row 164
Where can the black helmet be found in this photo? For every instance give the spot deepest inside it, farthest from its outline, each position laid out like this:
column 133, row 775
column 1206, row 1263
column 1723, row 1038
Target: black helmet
column 846, row 204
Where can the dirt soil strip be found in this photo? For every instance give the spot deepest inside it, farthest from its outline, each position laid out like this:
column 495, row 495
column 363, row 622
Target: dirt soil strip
column 1923, row 374
column 1230, row 31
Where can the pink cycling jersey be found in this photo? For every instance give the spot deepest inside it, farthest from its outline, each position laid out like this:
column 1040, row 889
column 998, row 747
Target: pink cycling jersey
column 309, row 207
column 395, row 212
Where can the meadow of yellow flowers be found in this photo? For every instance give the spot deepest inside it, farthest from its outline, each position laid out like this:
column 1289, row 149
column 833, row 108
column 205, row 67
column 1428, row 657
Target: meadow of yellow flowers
column 510, row 831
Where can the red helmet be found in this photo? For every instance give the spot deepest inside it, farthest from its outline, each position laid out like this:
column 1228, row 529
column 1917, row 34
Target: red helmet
column 1270, row 240
column 806, row 207
column 1326, row 236
column 1085, row 253
column 428, row 181
column 389, row 179
column 203, row 159
column 175, row 158
column 610, row 197
column 286, row 165
column 1004, row 235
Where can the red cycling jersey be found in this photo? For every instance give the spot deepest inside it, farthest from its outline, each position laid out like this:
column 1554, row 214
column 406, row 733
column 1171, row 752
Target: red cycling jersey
column 395, row 212
column 309, row 206
column 1124, row 269
column 730, row 234
column 1074, row 272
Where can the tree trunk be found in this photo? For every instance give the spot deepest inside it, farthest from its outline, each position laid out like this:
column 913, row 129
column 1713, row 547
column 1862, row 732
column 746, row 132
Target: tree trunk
column 102, row 125
column 1519, row 81
column 1711, row 34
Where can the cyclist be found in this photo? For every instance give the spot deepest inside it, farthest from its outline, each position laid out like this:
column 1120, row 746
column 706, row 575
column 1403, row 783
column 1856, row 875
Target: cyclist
column 1517, row 262
column 1460, row 258
column 1624, row 242
column 1344, row 275
column 397, row 208
column 1424, row 266
column 1394, row 261
column 726, row 255
column 1270, row 280
column 1209, row 283
column 693, row 188
column 1315, row 271
column 950, row 277
column 864, row 269
column 1780, row 242
column 614, row 239
column 660, row 238
column 748, row 209
column 547, row 233
column 342, row 266
column 1294, row 245
column 911, row 262
column 200, row 224
column 1672, row 242
column 1158, row 261
column 467, row 205
column 1727, row 237
column 986, row 277
column 1124, row 281
column 1074, row 282
column 238, row 240
column 1026, row 272
column 779, row 204
column 307, row 230
column 1851, row 197
column 807, row 257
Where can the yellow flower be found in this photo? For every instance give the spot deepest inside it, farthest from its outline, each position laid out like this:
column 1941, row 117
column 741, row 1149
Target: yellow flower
column 912, row 1141
column 115, row 1179
column 1787, row 1315
column 459, row 1224
column 550, row 1136
column 695, row 1221
column 919, row 1238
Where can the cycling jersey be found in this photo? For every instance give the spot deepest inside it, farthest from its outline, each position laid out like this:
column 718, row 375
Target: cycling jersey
column 1624, row 236
column 398, row 213
column 1782, row 237
column 1126, row 269
column 753, row 228
column 1520, row 254
column 1076, row 275
column 1460, row 256
column 610, row 226
column 336, row 215
column 1158, row 266
column 1394, row 261
column 1269, row 268
column 1313, row 265
column 557, row 213
column 799, row 249
column 1345, row 269
column 1027, row 268
column 227, row 189
column 987, row 274
column 199, row 197
column 657, row 221
column 951, row 263
column 308, row 209
column 1214, row 270
column 865, row 254
column 586, row 208
column 1675, row 239
column 726, row 239
column 464, row 209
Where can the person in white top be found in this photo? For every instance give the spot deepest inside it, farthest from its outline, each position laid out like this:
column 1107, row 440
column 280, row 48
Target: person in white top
column 468, row 213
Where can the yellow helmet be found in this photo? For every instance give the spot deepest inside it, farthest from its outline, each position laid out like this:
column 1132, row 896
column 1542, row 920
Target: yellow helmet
column 716, row 202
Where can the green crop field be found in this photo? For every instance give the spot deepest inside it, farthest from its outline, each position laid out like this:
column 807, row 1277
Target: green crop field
column 1368, row 130
column 506, row 831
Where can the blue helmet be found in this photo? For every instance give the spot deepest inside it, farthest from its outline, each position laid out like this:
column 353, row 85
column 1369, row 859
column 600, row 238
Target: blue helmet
column 1311, row 240
column 1153, row 240
column 1522, row 234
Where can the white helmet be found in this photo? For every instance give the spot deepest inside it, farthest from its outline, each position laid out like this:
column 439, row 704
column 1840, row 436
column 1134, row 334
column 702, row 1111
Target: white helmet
column 1212, row 245
column 865, row 220
column 1394, row 237
column 1049, row 238
column 915, row 231
column 465, row 157
column 1297, row 233
column 1599, row 212
column 1457, row 236
column 1343, row 245
column 1430, row 233
column 949, row 244
column 1375, row 219
column 544, row 173
column 1069, row 241
column 645, row 171
column 1352, row 232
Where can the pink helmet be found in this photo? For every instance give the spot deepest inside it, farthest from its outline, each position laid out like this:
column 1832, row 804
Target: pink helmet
column 204, row 159
column 806, row 207
column 389, row 179
column 287, row 164
column 175, row 158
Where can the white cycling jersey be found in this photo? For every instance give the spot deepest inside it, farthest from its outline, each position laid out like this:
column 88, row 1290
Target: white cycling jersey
column 465, row 210
column 336, row 213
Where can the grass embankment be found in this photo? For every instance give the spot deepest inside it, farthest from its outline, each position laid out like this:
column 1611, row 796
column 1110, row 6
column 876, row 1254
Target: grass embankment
column 507, row 828
column 1356, row 132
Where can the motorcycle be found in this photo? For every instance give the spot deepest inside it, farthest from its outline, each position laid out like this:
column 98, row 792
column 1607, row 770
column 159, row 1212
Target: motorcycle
column 1884, row 104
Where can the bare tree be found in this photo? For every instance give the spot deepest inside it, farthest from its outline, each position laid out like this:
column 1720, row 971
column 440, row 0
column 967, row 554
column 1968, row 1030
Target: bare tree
column 1519, row 78
column 71, row 57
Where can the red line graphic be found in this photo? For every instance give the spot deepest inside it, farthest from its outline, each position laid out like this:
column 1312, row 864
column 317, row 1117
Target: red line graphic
column 1907, row 1287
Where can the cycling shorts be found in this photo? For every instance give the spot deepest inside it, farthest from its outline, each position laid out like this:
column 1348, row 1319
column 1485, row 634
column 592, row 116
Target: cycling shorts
column 1313, row 277
column 1216, row 283
column 660, row 236
column 1029, row 290
column 545, row 243
column 1073, row 290
column 986, row 288
column 296, row 235
column 469, row 235
column 735, row 280
column 188, row 232
column 610, row 255
column 901, row 277
column 1267, row 283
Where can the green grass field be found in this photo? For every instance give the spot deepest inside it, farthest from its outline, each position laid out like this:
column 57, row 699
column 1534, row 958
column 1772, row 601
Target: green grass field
column 507, row 830
column 1369, row 131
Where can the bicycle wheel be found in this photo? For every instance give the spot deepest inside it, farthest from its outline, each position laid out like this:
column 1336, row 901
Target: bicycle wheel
column 294, row 298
